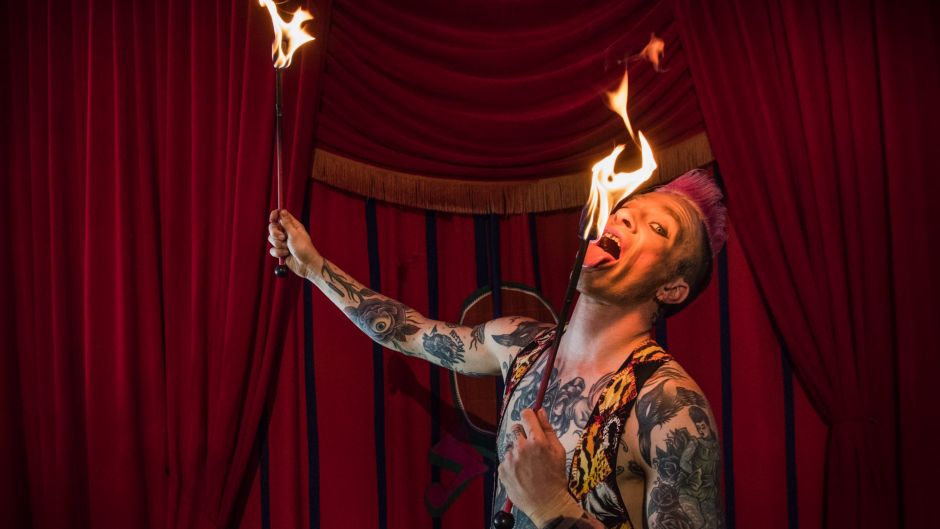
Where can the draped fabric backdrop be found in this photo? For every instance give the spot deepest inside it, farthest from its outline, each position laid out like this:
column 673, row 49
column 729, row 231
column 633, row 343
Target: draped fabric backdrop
column 155, row 374
column 146, row 327
column 822, row 117
column 497, row 95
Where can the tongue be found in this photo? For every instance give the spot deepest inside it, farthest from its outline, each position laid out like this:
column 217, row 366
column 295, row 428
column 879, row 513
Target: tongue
column 595, row 256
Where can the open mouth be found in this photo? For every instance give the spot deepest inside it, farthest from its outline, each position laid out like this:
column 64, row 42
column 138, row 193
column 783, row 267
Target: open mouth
column 610, row 244
column 603, row 251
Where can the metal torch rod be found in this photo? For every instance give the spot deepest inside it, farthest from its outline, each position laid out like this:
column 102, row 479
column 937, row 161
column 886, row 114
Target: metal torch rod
column 281, row 269
column 553, row 352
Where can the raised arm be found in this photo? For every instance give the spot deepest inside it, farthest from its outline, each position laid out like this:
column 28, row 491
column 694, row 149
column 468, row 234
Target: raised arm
column 482, row 350
column 679, row 452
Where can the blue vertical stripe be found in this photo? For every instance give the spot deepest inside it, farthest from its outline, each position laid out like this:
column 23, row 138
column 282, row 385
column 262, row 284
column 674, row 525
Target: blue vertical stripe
column 310, row 390
column 496, row 280
column 726, row 400
column 481, row 244
column 378, row 370
column 434, row 373
column 790, row 432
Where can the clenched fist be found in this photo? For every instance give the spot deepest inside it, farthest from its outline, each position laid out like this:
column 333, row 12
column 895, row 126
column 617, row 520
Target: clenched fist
column 291, row 241
column 534, row 472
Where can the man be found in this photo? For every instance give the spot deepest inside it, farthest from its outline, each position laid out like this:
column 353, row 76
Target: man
column 612, row 446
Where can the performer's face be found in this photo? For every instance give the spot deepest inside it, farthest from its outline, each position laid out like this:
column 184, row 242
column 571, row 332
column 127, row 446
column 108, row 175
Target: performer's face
column 654, row 232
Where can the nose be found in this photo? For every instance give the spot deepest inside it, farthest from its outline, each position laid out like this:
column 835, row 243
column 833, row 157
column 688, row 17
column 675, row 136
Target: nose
column 624, row 216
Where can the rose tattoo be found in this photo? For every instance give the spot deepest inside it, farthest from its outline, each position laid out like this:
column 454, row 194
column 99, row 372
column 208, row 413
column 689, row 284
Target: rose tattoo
column 685, row 494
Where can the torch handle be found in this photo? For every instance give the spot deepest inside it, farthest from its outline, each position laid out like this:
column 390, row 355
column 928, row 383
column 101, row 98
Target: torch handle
column 281, row 269
column 504, row 518
column 562, row 321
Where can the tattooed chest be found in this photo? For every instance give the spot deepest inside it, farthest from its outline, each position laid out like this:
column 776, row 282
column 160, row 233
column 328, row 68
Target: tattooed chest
column 569, row 401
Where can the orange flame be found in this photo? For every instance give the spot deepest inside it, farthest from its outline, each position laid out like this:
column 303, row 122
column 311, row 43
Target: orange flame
column 609, row 187
column 618, row 100
column 288, row 36
column 653, row 52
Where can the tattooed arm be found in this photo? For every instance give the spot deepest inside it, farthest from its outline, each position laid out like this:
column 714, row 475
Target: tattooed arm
column 679, row 452
column 482, row 350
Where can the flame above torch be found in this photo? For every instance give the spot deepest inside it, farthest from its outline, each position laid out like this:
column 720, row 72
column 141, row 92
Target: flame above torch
column 609, row 187
column 288, row 36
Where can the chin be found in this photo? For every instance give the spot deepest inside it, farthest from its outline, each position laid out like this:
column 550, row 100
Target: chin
column 596, row 286
column 600, row 287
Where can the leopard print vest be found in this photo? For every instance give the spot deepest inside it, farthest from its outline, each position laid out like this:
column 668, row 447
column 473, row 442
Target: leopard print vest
column 592, row 479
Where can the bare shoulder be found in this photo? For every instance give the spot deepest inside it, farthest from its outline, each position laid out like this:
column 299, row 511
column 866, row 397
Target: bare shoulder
column 671, row 372
column 507, row 336
column 669, row 400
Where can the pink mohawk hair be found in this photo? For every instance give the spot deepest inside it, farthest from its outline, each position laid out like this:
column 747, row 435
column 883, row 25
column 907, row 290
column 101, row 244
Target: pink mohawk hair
column 698, row 187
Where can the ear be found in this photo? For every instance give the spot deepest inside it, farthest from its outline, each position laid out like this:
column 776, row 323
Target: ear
column 673, row 292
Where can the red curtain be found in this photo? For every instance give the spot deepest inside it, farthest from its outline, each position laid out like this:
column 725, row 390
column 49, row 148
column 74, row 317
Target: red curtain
column 146, row 324
column 497, row 91
column 145, row 328
column 821, row 116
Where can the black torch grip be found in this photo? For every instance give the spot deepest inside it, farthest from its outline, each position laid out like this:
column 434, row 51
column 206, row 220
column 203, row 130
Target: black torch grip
column 504, row 520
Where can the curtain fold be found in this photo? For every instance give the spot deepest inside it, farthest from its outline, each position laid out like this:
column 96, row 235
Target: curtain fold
column 465, row 94
column 148, row 323
column 817, row 144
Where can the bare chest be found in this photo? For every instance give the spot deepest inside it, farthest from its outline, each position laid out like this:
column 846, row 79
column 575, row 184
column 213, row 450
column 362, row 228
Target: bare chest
column 569, row 403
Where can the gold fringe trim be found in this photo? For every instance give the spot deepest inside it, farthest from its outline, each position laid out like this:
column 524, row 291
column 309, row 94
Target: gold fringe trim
column 501, row 197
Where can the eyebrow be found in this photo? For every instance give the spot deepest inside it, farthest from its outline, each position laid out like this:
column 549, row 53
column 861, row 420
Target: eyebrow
column 675, row 216
column 669, row 210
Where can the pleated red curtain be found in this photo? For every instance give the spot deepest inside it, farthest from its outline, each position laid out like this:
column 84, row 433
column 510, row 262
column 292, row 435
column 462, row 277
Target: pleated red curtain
column 509, row 90
column 497, row 93
column 146, row 324
column 820, row 115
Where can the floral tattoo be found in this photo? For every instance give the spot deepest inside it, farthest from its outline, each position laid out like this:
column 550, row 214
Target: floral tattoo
column 685, row 493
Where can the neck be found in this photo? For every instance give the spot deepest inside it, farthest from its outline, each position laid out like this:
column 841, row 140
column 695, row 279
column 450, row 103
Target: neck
column 600, row 333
